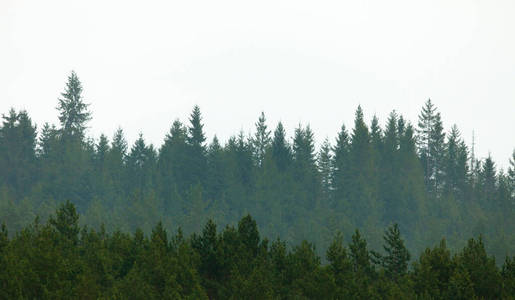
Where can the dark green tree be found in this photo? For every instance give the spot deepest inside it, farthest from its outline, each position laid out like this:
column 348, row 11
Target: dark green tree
column 487, row 181
column 261, row 140
column 430, row 144
column 141, row 164
column 325, row 169
column 340, row 168
column 397, row 256
column 361, row 178
column 197, row 153
column 305, row 172
column 73, row 112
column 480, row 268
column 17, row 152
column 172, row 165
column 66, row 223
column 432, row 272
column 281, row 150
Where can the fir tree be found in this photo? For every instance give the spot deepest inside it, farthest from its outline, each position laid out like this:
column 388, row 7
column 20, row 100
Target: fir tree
column 281, row 151
column 261, row 140
column 431, row 143
column 340, row 167
column 73, row 112
column 325, row 169
column 197, row 154
column 17, row 152
column 397, row 256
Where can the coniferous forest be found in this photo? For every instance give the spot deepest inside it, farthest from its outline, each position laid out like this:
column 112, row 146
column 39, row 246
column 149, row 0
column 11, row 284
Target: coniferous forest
column 390, row 209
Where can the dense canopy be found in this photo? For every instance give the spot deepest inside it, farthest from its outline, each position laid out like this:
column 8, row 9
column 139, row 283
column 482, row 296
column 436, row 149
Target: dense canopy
column 414, row 177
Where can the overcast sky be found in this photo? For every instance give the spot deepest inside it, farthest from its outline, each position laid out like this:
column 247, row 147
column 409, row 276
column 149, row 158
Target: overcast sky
column 145, row 63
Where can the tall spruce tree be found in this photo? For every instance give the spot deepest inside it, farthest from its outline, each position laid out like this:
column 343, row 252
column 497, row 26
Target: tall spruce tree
column 397, row 255
column 487, row 181
column 216, row 183
column 411, row 203
column 261, row 140
column 73, row 112
column 456, row 166
column 197, row 155
column 431, row 142
column 173, row 164
column 390, row 165
column 281, row 151
column 340, row 168
column 325, row 169
column 305, row 171
column 141, row 163
column 362, row 201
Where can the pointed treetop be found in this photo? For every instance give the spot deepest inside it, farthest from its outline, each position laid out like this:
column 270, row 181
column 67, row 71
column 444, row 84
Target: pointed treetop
column 119, row 143
column 196, row 130
column 261, row 139
column 73, row 112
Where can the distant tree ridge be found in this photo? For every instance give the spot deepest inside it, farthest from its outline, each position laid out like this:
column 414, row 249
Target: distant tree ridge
column 418, row 176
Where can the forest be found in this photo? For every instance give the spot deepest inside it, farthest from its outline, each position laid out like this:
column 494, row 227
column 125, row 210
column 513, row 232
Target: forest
column 89, row 216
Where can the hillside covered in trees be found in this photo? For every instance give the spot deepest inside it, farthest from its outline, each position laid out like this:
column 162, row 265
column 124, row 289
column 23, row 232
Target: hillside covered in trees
column 60, row 260
column 375, row 174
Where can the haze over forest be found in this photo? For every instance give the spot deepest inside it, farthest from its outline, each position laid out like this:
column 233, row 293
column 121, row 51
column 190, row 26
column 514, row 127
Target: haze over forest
column 416, row 177
column 417, row 174
column 268, row 150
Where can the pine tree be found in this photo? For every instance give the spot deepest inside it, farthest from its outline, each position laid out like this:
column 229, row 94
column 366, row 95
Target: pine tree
column 456, row 167
column 360, row 256
column 362, row 179
column 216, row 181
column 437, row 154
column 412, row 193
column 480, row 268
column 18, row 152
column 432, row 272
column 340, row 266
column 325, row 169
column 376, row 140
column 172, row 164
column 115, row 164
column 102, row 179
column 340, row 167
column 431, row 142
column 261, row 140
column 141, row 163
column 66, row 222
column 281, row 151
column 397, row 256
column 487, row 179
column 102, row 148
column 305, row 171
column 197, row 154
column 390, row 165
column 196, row 137
column 73, row 112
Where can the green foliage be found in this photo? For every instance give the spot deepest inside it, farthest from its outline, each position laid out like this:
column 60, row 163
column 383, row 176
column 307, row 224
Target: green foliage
column 371, row 177
column 54, row 260
column 432, row 272
column 397, row 256
column 73, row 112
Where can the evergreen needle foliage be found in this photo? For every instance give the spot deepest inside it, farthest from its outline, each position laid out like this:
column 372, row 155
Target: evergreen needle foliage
column 418, row 177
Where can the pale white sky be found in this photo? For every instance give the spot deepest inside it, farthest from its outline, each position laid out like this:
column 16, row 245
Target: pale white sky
column 145, row 63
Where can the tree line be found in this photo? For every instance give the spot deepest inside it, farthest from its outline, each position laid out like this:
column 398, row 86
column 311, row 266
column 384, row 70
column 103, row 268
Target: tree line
column 60, row 260
column 372, row 176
